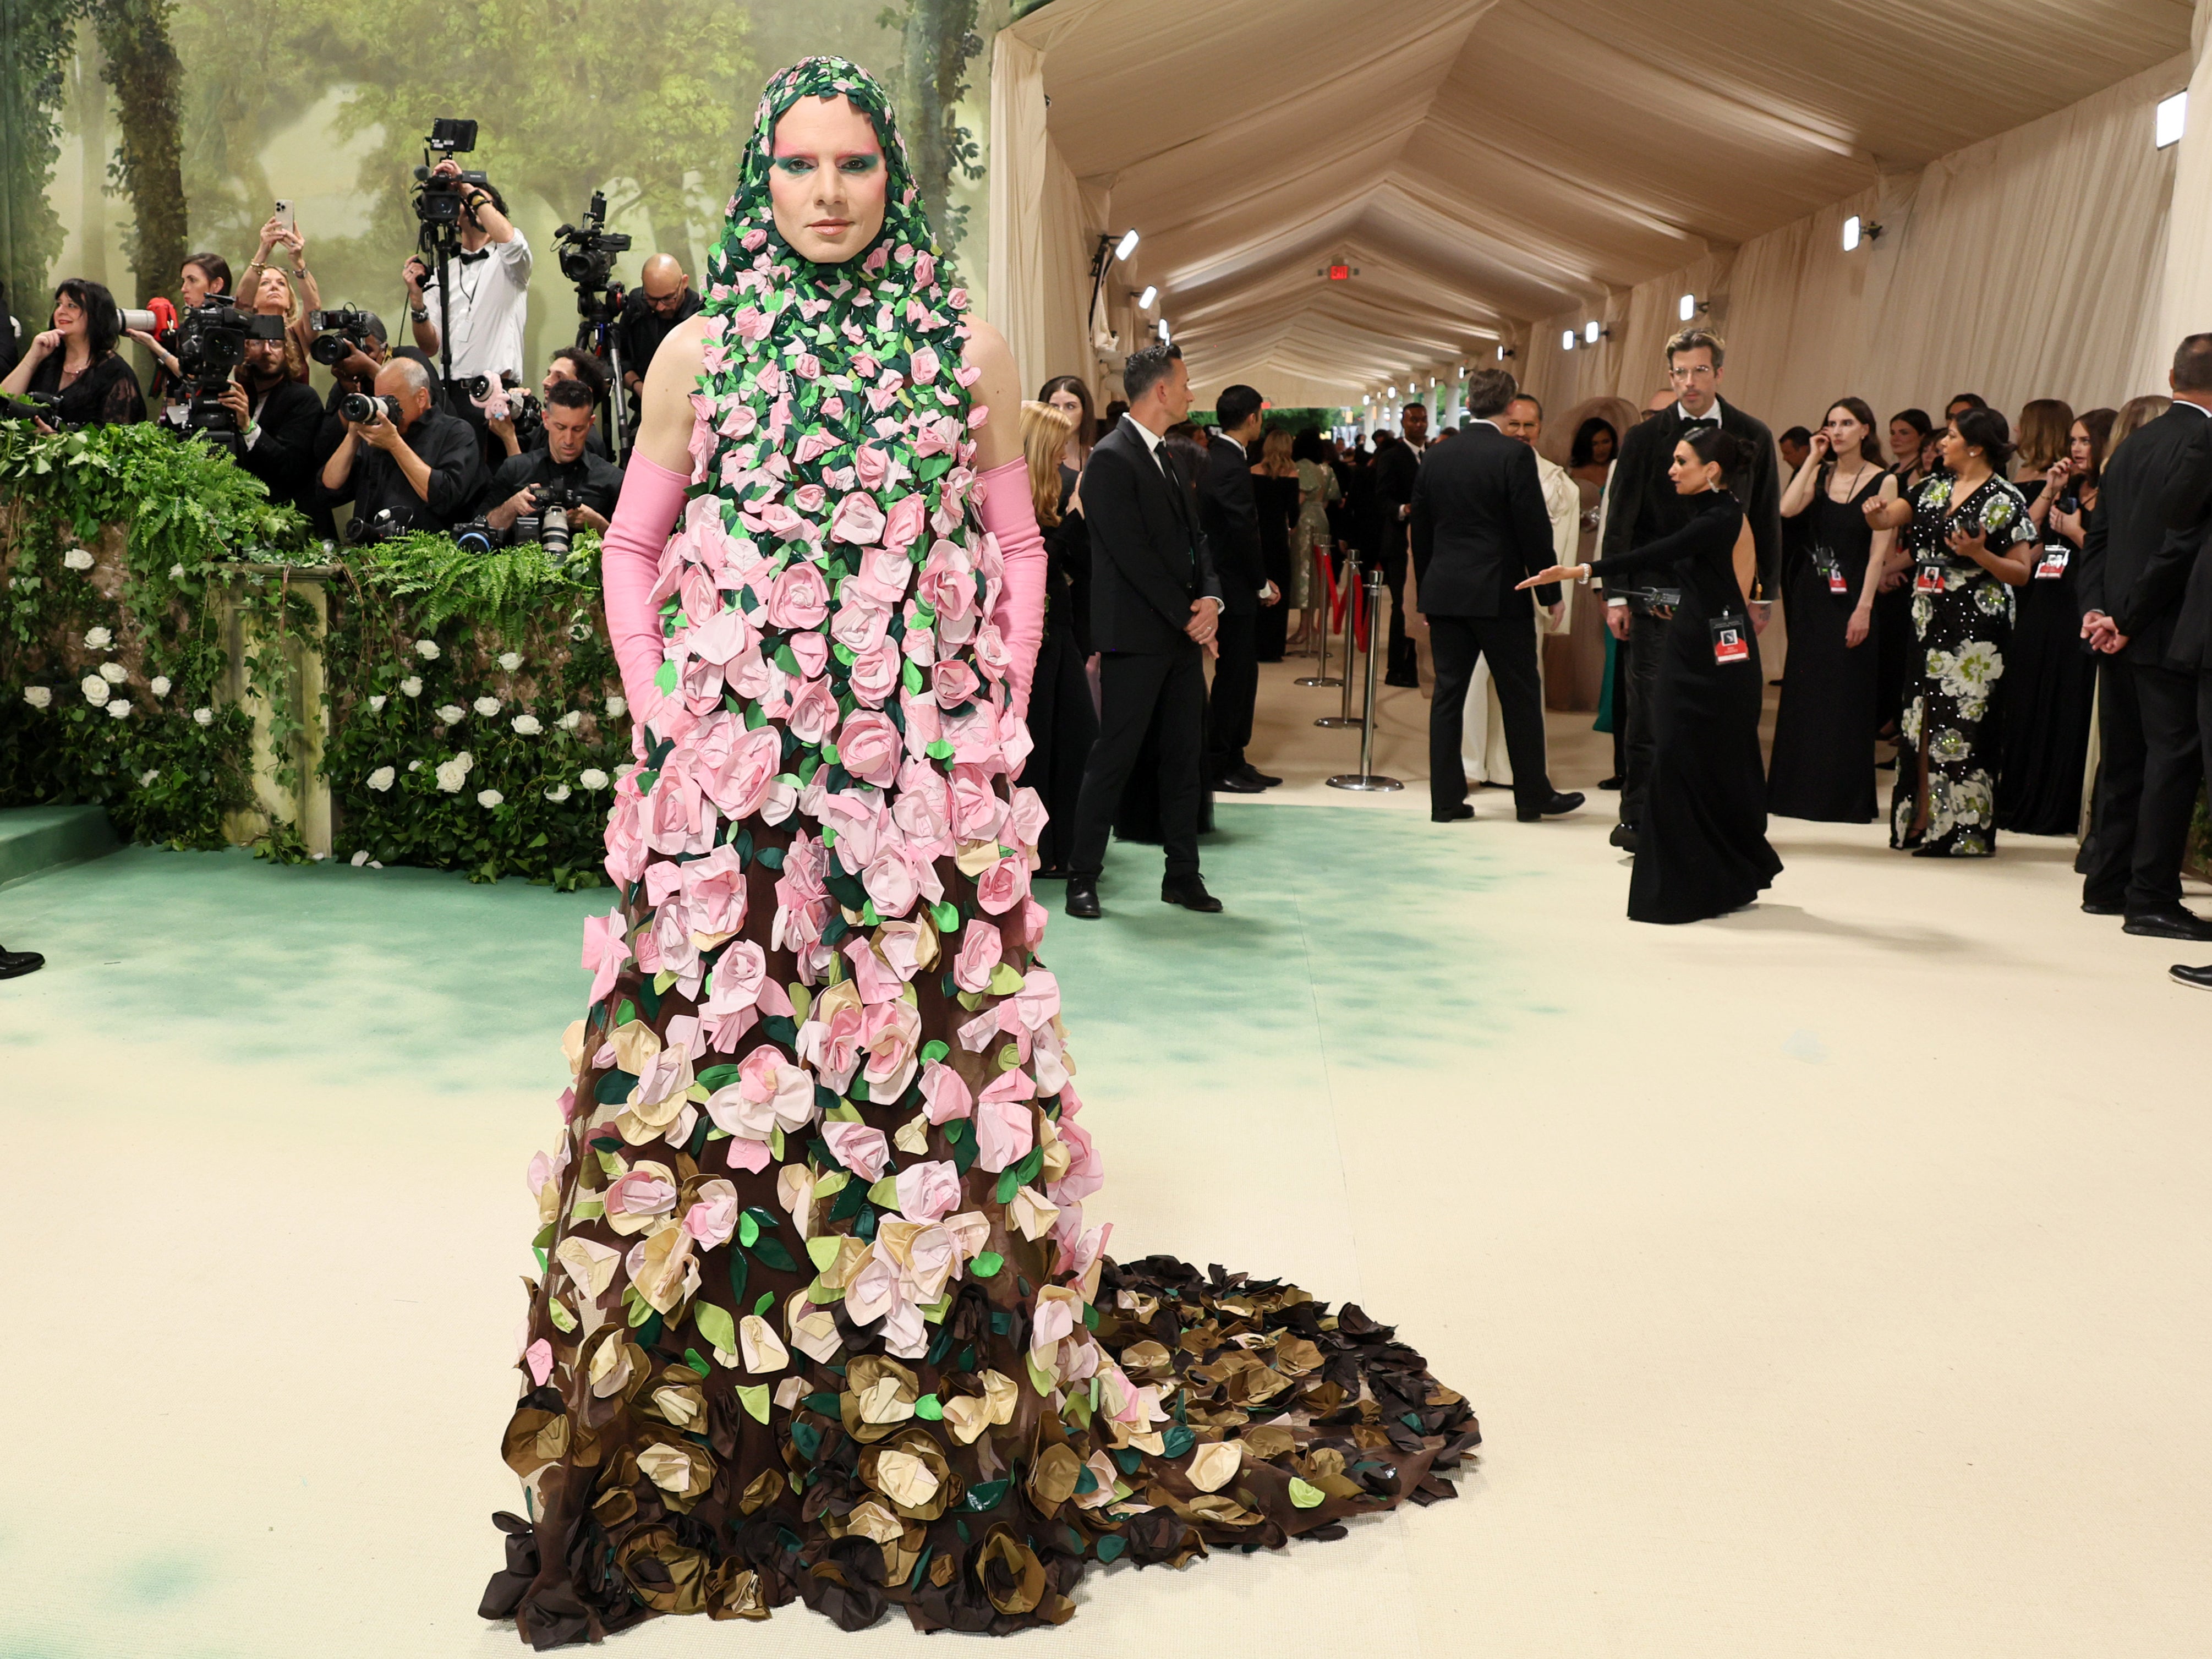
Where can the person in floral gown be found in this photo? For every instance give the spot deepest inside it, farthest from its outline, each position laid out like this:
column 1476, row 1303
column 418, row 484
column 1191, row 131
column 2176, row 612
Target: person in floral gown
column 819, row 1315
column 1971, row 542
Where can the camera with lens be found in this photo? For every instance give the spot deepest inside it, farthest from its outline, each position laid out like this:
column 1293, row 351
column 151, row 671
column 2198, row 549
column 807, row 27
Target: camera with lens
column 474, row 387
column 588, row 251
column 34, row 406
column 438, row 196
column 524, row 413
column 211, row 341
column 364, row 410
column 340, row 333
column 383, row 527
column 477, row 535
column 555, row 502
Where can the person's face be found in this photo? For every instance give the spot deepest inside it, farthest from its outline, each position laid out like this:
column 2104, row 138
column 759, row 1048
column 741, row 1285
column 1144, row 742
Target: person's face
column 391, row 382
column 1952, row 448
column 1952, row 411
column 1416, row 422
column 565, row 432
column 1070, row 405
column 1846, row 432
column 276, row 295
column 558, row 370
column 664, row 290
column 1904, row 440
column 2079, row 449
column 1695, row 377
column 264, row 359
column 1691, row 475
column 1601, row 446
column 1520, row 421
column 68, row 316
column 192, row 283
column 1794, row 453
column 828, row 182
column 1173, row 391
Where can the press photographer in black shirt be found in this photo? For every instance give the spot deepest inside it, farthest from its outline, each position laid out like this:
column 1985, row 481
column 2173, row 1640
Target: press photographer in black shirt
column 408, row 466
column 278, row 420
column 562, row 459
column 664, row 297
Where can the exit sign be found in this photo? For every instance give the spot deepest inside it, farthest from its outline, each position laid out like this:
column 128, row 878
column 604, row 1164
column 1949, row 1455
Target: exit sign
column 1338, row 273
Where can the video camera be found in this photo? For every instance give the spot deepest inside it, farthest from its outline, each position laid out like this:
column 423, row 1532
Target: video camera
column 339, row 333
column 211, row 341
column 438, row 196
column 587, row 253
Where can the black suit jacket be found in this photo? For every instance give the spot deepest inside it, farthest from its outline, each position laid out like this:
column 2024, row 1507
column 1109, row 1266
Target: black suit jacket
column 2176, row 581
column 2129, row 532
column 1642, row 505
column 283, row 453
column 1230, row 515
column 1149, row 559
column 1480, row 525
column 1396, row 469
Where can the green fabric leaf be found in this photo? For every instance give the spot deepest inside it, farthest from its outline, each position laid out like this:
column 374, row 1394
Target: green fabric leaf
column 987, row 1495
column 715, row 1324
column 987, row 1264
column 1005, row 980
column 1178, row 1440
column 773, row 1254
column 754, row 1399
column 691, row 1358
column 934, row 1050
column 748, row 1231
column 928, row 1408
column 1304, row 1494
column 767, row 1301
column 1109, row 1548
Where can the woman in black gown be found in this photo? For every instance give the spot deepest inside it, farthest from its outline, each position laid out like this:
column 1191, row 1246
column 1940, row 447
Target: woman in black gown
column 76, row 361
column 1703, row 850
column 2050, row 676
column 1911, row 432
column 1822, row 767
column 1062, row 723
column 1275, row 493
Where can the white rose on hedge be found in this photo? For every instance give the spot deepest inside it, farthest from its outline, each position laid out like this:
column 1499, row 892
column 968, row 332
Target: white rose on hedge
column 149, row 778
column 451, row 774
column 557, row 794
column 412, row 687
column 77, row 559
column 203, row 716
column 114, row 672
column 376, row 703
column 119, row 710
column 359, row 858
column 426, row 650
column 572, row 719
column 414, row 766
column 98, row 638
column 39, row 696
column 382, row 779
column 510, row 660
column 95, row 689
column 159, row 685
column 489, row 798
column 453, row 714
column 526, row 726
column 593, row 778
column 617, row 708
column 176, row 572
column 487, row 706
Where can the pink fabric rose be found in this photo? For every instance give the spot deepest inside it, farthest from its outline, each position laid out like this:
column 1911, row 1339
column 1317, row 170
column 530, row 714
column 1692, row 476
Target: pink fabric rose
column 800, row 598
column 1005, row 1129
column 736, row 778
column 607, row 948
column 981, row 949
column 808, row 498
column 927, row 1192
column 813, row 712
column 872, row 465
column 953, row 683
column 904, row 526
column 858, row 519
column 925, row 357
column 874, row 675
column 976, row 808
column 868, row 745
column 640, row 1192
column 859, row 1148
column 712, row 1215
column 892, row 884
column 891, row 1031
column 945, row 1096
column 1002, row 886
column 770, row 1093
column 714, row 887
column 861, row 622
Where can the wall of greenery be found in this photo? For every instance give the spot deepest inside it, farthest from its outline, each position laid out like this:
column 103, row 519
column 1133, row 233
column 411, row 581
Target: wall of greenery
column 470, row 717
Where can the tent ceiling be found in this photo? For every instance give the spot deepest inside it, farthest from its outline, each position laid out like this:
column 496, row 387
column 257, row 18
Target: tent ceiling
column 1487, row 162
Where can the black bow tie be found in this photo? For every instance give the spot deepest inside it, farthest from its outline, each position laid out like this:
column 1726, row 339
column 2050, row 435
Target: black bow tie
column 472, row 259
column 1702, row 424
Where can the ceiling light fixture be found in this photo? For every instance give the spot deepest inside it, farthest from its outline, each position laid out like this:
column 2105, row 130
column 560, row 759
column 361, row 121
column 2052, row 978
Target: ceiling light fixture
column 1145, row 300
column 1166, row 337
column 1689, row 307
column 1856, row 231
column 2172, row 117
column 1567, row 340
column 1127, row 246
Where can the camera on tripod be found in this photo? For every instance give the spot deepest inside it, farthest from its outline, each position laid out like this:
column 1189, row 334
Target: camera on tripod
column 340, row 333
column 438, row 196
column 588, row 251
column 211, row 340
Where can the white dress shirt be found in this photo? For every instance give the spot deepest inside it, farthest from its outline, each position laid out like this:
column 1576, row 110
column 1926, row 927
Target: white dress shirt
column 491, row 306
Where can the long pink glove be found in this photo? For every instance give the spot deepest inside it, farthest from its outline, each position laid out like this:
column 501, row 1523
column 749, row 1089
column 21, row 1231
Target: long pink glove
column 630, row 565
column 1010, row 514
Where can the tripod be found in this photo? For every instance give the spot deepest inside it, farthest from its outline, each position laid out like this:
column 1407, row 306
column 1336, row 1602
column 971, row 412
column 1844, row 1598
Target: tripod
column 599, row 307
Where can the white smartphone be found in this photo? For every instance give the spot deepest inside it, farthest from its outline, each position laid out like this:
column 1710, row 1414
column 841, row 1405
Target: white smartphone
column 284, row 214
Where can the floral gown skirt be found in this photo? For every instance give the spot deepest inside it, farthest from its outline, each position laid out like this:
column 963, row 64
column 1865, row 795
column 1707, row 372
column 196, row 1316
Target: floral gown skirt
column 1961, row 626
column 817, row 1316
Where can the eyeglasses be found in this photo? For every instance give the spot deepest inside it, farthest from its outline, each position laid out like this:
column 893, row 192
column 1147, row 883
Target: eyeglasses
column 1695, row 372
column 665, row 302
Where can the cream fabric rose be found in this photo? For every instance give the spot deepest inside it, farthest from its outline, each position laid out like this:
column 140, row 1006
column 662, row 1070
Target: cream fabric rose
column 382, row 779
column 411, row 686
column 593, row 778
column 510, row 660
column 490, row 798
column 159, row 685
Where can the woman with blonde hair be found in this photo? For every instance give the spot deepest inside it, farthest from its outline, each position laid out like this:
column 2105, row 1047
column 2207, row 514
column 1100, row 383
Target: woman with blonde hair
column 1063, row 723
column 1319, row 488
column 1275, row 492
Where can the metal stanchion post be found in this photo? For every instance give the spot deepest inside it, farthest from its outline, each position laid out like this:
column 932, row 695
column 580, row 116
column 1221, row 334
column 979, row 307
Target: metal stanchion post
column 1366, row 779
column 1349, row 581
column 1321, row 674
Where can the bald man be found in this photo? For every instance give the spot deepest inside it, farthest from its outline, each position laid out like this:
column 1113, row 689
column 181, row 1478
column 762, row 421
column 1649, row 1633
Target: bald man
column 663, row 298
column 409, row 465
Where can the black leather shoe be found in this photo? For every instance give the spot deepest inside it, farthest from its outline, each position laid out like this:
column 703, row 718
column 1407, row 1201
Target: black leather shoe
column 2175, row 923
column 2092, row 908
column 1409, row 682
column 1083, row 897
column 15, row 964
column 1457, row 815
column 1252, row 774
column 1551, row 809
column 1613, row 782
column 1189, row 892
column 1233, row 783
column 1623, row 836
column 2200, row 977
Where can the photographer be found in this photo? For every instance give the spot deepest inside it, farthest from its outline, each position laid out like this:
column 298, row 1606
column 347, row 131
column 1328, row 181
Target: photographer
column 564, row 460
column 203, row 277
column 266, row 290
column 489, row 302
column 76, row 359
column 421, row 468
column 664, row 297
column 277, row 420
column 572, row 365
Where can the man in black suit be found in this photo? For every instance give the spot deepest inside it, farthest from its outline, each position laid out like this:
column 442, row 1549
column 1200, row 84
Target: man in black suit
column 1155, row 608
column 2146, row 685
column 1230, row 519
column 1642, row 506
column 1479, row 526
column 1395, row 469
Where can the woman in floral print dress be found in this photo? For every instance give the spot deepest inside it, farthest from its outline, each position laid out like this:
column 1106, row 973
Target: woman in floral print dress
column 818, row 1316
column 1972, row 542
